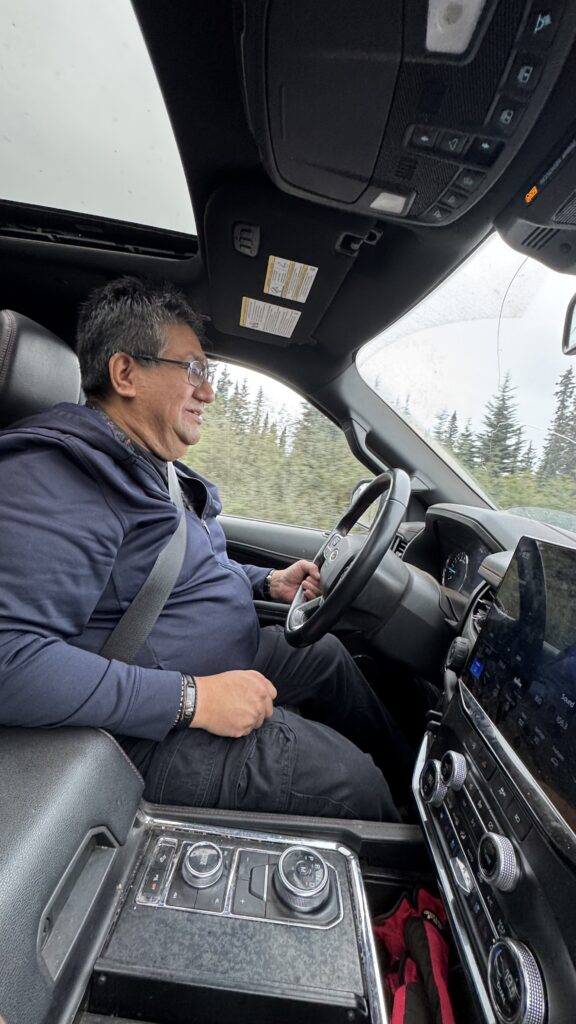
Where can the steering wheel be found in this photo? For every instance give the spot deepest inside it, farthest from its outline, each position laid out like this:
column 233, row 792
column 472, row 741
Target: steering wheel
column 347, row 561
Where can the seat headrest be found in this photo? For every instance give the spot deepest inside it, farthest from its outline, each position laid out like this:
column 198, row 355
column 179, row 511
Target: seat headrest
column 37, row 369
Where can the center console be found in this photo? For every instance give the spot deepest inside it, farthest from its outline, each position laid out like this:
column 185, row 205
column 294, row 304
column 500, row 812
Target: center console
column 223, row 924
column 495, row 786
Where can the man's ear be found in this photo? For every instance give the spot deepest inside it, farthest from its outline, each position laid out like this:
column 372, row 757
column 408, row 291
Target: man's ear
column 122, row 370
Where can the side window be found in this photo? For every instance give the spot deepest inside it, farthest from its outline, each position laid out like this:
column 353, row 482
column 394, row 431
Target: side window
column 272, row 455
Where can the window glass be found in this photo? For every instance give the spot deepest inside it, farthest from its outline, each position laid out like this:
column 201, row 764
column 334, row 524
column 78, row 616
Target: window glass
column 272, row 455
column 478, row 370
column 84, row 126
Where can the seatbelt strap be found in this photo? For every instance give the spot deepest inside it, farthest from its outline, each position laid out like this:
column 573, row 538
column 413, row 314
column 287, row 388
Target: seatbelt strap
column 133, row 629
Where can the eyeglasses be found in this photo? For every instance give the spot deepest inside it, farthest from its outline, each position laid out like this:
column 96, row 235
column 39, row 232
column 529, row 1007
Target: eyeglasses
column 198, row 369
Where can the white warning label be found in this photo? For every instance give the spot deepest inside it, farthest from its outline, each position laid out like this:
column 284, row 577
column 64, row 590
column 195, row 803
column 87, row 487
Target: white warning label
column 288, row 279
column 263, row 316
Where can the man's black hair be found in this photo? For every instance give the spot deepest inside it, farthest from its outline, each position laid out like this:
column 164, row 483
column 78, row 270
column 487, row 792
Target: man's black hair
column 127, row 315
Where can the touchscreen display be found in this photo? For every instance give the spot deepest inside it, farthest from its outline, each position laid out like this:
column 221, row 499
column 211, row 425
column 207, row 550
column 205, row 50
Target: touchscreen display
column 523, row 667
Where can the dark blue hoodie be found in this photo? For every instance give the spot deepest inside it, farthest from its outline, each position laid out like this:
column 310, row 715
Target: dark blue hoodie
column 82, row 520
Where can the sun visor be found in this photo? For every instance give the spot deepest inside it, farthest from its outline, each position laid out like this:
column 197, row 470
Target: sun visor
column 275, row 263
column 398, row 110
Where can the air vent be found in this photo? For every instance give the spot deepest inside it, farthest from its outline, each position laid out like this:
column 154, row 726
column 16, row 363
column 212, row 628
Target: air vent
column 399, row 545
column 481, row 607
column 539, row 238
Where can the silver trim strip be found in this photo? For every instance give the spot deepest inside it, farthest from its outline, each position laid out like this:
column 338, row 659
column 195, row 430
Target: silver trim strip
column 459, row 928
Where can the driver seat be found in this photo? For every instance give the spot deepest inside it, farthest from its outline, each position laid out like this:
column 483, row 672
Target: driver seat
column 37, row 369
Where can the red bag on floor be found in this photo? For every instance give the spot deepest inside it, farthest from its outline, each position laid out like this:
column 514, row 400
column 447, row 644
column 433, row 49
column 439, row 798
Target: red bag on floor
column 414, row 935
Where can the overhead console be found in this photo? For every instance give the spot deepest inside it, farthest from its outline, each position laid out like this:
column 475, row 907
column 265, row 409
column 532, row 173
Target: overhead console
column 496, row 790
column 433, row 100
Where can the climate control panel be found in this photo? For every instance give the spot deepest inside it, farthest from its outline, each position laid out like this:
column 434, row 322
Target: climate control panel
column 506, row 887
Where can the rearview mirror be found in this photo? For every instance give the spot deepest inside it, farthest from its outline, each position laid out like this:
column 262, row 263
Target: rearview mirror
column 569, row 336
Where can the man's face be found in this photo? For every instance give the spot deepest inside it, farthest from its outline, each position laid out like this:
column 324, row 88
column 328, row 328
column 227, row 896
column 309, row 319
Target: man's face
column 167, row 410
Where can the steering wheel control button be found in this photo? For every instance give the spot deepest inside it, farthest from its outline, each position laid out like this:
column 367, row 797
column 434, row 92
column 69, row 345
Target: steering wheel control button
column 497, row 862
column 203, row 865
column 453, row 769
column 301, row 879
column 515, row 984
column 433, row 789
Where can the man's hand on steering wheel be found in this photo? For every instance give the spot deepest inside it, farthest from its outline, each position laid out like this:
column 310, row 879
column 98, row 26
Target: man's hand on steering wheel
column 284, row 583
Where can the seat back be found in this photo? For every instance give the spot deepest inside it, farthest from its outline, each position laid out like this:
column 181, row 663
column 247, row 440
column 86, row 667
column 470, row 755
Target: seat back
column 37, row 369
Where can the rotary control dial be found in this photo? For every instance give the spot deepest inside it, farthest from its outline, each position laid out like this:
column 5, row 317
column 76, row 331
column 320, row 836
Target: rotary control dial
column 433, row 789
column 453, row 769
column 498, row 862
column 301, row 879
column 515, row 984
column 203, row 865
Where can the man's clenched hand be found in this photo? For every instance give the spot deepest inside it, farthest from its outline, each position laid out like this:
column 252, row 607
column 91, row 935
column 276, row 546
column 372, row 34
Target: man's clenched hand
column 285, row 582
column 232, row 703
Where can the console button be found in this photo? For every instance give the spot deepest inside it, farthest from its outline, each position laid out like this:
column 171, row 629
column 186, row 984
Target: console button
column 486, row 764
column 248, row 860
column 542, row 24
column 501, row 789
column 424, row 137
column 436, row 214
column 484, row 151
column 453, row 199
column 258, row 881
column 452, row 143
column 469, row 180
column 212, row 898
column 506, row 115
column 245, row 903
column 518, row 819
column 524, row 73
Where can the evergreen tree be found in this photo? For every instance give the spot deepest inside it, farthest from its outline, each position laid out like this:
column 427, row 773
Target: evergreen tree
column 440, row 427
column 500, row 443
column 527, row 462
column 451, row 435
column 559, row 455
column 465, row 448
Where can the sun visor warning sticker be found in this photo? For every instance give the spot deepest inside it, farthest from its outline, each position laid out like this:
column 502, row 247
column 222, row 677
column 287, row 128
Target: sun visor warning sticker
column 289, row 280
column 263, row 316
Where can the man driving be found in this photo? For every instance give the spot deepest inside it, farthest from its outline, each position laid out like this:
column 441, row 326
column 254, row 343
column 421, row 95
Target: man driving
column 85, row 510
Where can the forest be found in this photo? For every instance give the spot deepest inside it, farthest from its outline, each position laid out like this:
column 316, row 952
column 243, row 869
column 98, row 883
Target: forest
column 505, row 465
column 294, row 466
column 290, row 466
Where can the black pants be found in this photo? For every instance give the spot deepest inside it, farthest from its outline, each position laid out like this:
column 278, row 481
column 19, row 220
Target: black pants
column 319, row 764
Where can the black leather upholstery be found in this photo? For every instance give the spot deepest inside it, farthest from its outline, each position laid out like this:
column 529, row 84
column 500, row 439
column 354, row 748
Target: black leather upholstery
column 37, row 369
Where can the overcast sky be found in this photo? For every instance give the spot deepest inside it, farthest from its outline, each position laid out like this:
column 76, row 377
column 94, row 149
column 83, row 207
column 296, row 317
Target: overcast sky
column 498, row 313
column 83, row 125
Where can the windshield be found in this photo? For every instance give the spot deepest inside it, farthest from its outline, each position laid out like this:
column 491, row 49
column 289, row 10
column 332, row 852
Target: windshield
column 477, row 369
column 84, row 126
